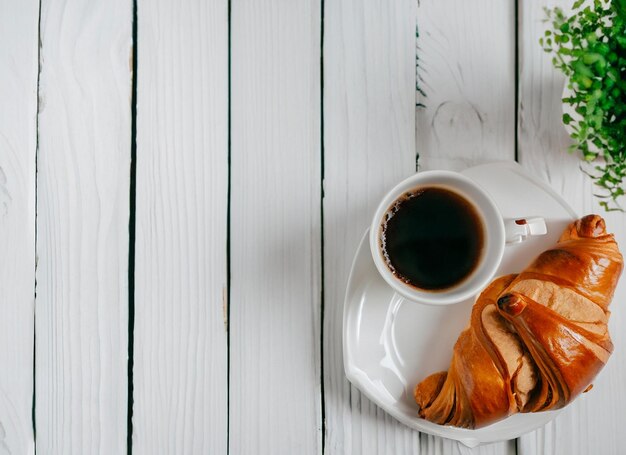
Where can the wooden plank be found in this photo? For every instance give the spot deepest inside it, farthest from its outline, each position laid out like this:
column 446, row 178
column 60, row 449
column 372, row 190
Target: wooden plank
column 466, row 103
column 18, row 135
column 589, row 424
column 82, row 226
column 432, row 445
column 466, row 80
column 369, row 125
column 181, row 352
column 275, row 227
column 369, row 145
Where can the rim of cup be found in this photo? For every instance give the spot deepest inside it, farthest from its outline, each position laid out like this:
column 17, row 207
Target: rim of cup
column 493, row 231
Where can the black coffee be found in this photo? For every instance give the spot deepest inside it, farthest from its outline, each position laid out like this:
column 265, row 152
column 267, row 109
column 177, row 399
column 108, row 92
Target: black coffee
column 432, row 238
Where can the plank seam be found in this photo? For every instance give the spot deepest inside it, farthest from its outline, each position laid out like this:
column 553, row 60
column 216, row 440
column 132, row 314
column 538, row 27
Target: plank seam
column 516, row 107
column 418, row 89
column 228, row 232
column 517, row 80
column 131, row 236
column 322, row 289
column 39, row 67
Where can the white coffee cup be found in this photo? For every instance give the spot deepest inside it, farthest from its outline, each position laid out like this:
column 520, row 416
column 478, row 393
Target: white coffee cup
column 497, row 233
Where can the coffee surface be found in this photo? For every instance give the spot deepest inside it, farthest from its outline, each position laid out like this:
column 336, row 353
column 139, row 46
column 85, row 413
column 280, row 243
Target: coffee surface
column 432, row 238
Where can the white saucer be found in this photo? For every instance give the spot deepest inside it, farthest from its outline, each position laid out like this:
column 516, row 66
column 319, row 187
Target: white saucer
column 390, row 344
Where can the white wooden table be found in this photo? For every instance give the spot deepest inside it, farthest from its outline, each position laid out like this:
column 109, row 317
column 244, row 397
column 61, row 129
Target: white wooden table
column 183, row 185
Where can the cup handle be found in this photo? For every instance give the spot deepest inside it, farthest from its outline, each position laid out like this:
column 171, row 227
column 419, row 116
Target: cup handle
column 519, row 229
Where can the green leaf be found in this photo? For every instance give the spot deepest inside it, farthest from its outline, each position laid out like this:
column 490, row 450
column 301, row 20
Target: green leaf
column 588, row 45
column 582, row 69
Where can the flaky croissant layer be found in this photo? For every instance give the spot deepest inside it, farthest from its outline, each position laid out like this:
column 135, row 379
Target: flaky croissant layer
column 535, row 340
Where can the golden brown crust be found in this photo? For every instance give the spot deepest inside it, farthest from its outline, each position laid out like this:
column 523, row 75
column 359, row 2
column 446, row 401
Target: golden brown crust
column 535, row 340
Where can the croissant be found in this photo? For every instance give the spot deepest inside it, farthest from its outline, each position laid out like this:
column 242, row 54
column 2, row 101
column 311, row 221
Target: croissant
column 535, row 340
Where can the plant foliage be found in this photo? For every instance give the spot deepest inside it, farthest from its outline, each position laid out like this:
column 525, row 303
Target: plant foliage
column 589, row 47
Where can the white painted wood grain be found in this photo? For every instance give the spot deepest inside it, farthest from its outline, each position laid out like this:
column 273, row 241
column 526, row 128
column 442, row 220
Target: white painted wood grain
column 82, row 226
column 369, row 115
column 275, row 228
column 466, row 104
column 369, row 145
column 180, row 358
column 18, row 136
column 466, row 80
column 432, row 445
column 593, row 423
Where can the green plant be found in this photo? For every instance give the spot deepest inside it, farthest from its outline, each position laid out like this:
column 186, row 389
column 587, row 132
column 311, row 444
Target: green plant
column 589, row 47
